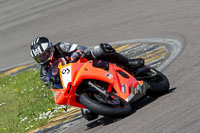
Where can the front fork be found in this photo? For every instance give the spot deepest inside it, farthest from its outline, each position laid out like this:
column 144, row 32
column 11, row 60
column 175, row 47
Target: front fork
column 102, row 91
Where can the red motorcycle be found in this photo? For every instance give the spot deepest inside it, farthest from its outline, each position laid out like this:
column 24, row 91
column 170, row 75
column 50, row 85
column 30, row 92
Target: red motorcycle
column 102, row 88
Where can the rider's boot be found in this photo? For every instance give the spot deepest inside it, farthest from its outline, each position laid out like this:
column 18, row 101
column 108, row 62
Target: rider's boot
column 136, row 63
column 129, row 64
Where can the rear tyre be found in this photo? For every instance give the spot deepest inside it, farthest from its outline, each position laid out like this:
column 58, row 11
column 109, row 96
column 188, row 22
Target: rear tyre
column 100, row 107
column 159, row 84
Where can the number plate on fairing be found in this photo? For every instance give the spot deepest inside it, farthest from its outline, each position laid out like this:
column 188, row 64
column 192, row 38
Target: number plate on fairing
column 66, row 75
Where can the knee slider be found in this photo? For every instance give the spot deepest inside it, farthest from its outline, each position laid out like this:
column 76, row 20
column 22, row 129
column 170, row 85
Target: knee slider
column 107, row 47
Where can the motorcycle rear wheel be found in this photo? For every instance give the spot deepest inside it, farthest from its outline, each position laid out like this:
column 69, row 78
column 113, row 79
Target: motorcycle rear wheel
column 159, row 84
column 88, row 100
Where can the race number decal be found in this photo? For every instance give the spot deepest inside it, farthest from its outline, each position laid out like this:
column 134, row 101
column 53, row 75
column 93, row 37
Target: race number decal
column 65, row 71
column 66, row 75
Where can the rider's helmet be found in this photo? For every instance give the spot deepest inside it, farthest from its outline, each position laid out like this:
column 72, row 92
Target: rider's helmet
column 42, row 50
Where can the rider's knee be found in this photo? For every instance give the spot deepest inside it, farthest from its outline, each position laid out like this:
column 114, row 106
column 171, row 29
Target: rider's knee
column 102, row 50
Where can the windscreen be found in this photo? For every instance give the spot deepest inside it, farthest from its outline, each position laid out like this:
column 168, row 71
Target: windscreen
column 53, row 76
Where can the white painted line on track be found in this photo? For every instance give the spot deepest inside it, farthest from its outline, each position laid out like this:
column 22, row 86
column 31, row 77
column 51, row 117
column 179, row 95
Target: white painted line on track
column 175, row 45
column 18, row 65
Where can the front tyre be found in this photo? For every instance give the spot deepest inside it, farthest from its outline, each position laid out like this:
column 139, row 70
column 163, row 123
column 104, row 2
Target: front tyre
column 159, row 84
column 101, row 106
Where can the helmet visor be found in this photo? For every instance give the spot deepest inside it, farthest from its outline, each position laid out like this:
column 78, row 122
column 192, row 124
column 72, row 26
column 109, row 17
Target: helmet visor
column 45, row 56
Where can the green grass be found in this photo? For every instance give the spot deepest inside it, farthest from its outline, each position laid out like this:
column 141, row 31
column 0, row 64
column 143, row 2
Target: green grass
column 25, row 102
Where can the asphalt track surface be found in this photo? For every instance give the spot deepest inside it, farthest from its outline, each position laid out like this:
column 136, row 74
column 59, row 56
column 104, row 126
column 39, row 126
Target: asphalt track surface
column 90, row 22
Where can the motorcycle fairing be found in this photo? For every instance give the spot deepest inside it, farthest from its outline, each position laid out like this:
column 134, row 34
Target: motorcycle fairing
column 127, row 87
column 77, row 72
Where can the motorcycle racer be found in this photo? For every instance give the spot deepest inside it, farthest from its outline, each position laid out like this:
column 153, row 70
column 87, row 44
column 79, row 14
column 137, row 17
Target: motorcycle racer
column 45, row 53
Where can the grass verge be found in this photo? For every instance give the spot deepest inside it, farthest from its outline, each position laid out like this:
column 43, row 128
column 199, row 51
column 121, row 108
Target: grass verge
column 25, row 102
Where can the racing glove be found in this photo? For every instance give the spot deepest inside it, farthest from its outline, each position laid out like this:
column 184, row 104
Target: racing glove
column 76, row 55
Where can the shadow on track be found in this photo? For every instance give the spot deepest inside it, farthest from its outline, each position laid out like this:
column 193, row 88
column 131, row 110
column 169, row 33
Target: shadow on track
column 136, row 106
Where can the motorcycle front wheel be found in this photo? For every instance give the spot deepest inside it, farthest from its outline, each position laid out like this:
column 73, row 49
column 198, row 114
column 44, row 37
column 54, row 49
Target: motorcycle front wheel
column 113, row 106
